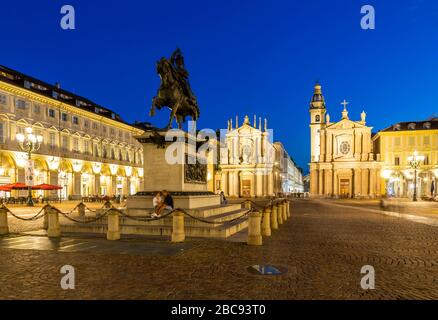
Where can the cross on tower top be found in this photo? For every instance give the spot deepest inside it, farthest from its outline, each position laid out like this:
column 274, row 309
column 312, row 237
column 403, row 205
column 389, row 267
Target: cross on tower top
column 344, row 103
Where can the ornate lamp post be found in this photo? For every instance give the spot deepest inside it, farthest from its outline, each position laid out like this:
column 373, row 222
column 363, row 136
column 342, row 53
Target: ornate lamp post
column 29, row 143
column 415, row 163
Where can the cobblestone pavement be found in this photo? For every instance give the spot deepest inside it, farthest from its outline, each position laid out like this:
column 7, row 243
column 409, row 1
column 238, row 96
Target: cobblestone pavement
column 322, row 246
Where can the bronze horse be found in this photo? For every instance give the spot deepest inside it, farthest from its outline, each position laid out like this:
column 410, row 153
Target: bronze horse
column 174, row 93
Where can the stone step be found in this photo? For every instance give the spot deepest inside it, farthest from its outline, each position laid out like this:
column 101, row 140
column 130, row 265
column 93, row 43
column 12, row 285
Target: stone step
column 164, row 229
column 203, row 212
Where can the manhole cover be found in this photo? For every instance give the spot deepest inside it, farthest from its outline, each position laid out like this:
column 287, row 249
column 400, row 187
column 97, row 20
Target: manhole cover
column 266, row 270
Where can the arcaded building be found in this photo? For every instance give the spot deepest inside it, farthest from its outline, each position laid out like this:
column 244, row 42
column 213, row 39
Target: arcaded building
column 87, row 149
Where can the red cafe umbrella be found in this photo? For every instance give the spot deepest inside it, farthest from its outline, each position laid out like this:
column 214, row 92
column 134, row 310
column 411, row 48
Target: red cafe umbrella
column 45, row 186
column 5, row 188
column 16, row 186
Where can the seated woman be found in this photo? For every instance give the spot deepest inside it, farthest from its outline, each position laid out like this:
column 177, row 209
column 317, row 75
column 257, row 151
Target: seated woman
column 158, row 204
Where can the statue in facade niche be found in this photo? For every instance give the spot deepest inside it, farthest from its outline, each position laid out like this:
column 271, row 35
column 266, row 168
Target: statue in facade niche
column 175, row 91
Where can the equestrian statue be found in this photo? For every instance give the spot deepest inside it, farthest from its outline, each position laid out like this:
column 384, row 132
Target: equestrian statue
column 175, row 92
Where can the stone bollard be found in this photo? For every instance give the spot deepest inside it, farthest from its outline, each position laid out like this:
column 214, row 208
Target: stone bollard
column 254, row 229
column 279, row 213
column 288, row 209
column 113, row 232
column 247, row 204
column 4, row 229
column 46, row 217
column 284, row 210
column 81, row 210
column 266, row 222
column 107, row 204
column 178, row 234
column 274, row 221
column 53, row 229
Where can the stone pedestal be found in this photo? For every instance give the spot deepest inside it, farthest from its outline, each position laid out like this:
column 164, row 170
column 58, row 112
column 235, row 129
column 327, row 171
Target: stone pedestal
column 166, row 168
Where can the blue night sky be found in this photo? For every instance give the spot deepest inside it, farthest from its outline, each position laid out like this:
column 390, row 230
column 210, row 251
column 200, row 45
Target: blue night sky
column 244, row 57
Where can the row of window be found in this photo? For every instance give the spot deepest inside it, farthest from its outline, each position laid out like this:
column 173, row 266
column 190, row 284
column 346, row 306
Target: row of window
column 412, row 141
column 21, row 104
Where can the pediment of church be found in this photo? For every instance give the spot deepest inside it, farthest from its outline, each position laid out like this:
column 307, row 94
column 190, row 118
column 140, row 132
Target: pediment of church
column 346, row 124
column 245, row 129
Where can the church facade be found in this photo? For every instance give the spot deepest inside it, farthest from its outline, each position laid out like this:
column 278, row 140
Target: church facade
column 252, row 165
column 343, row 163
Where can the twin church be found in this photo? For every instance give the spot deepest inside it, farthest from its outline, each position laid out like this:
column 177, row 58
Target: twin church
column 343, row 163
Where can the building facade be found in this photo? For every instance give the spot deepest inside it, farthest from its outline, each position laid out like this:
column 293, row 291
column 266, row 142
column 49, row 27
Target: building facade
column 396, row 143
column 251, row 165
column 343, row 163
column 87, row 149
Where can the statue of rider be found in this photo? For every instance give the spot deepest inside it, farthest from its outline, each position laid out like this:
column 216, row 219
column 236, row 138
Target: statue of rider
column 177, row 61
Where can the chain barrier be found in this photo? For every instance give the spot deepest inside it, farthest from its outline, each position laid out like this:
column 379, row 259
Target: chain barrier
column 67, row 216
column 34, row 218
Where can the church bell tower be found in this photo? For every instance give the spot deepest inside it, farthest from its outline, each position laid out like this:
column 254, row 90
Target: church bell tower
column 317, row 122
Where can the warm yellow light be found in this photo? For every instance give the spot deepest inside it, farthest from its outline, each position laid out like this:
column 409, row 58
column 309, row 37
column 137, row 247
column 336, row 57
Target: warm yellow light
column 386, row 174
column 2, row 171
column 97, row 167
column 20, row 137
column 140, row 172
column 128, row 171
column 53, row 163
column 113, row 169
column 28, row 130
column 77, row 166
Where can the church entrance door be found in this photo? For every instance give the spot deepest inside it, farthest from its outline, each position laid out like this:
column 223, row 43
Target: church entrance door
column 344, row 188
column 246, row 188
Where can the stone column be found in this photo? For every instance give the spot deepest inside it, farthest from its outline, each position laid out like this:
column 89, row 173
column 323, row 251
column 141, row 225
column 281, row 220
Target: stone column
column 113, row 185
column 259, row 185
column 274, row 219
column 378, row 184
column 128, row 186
column 321, row 182
column 322, row 147
column 372, row 183
column 77, row 184
column 97, row 184
column 357, row 184
column 365, row 180
column 224, row 182
column 271, row 183
column 314, row 182
column 329, row 152
column 328, row 182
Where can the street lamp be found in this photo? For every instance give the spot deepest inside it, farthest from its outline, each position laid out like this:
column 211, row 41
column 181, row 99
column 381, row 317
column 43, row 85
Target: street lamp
column 29, row 143
column 415, row 163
